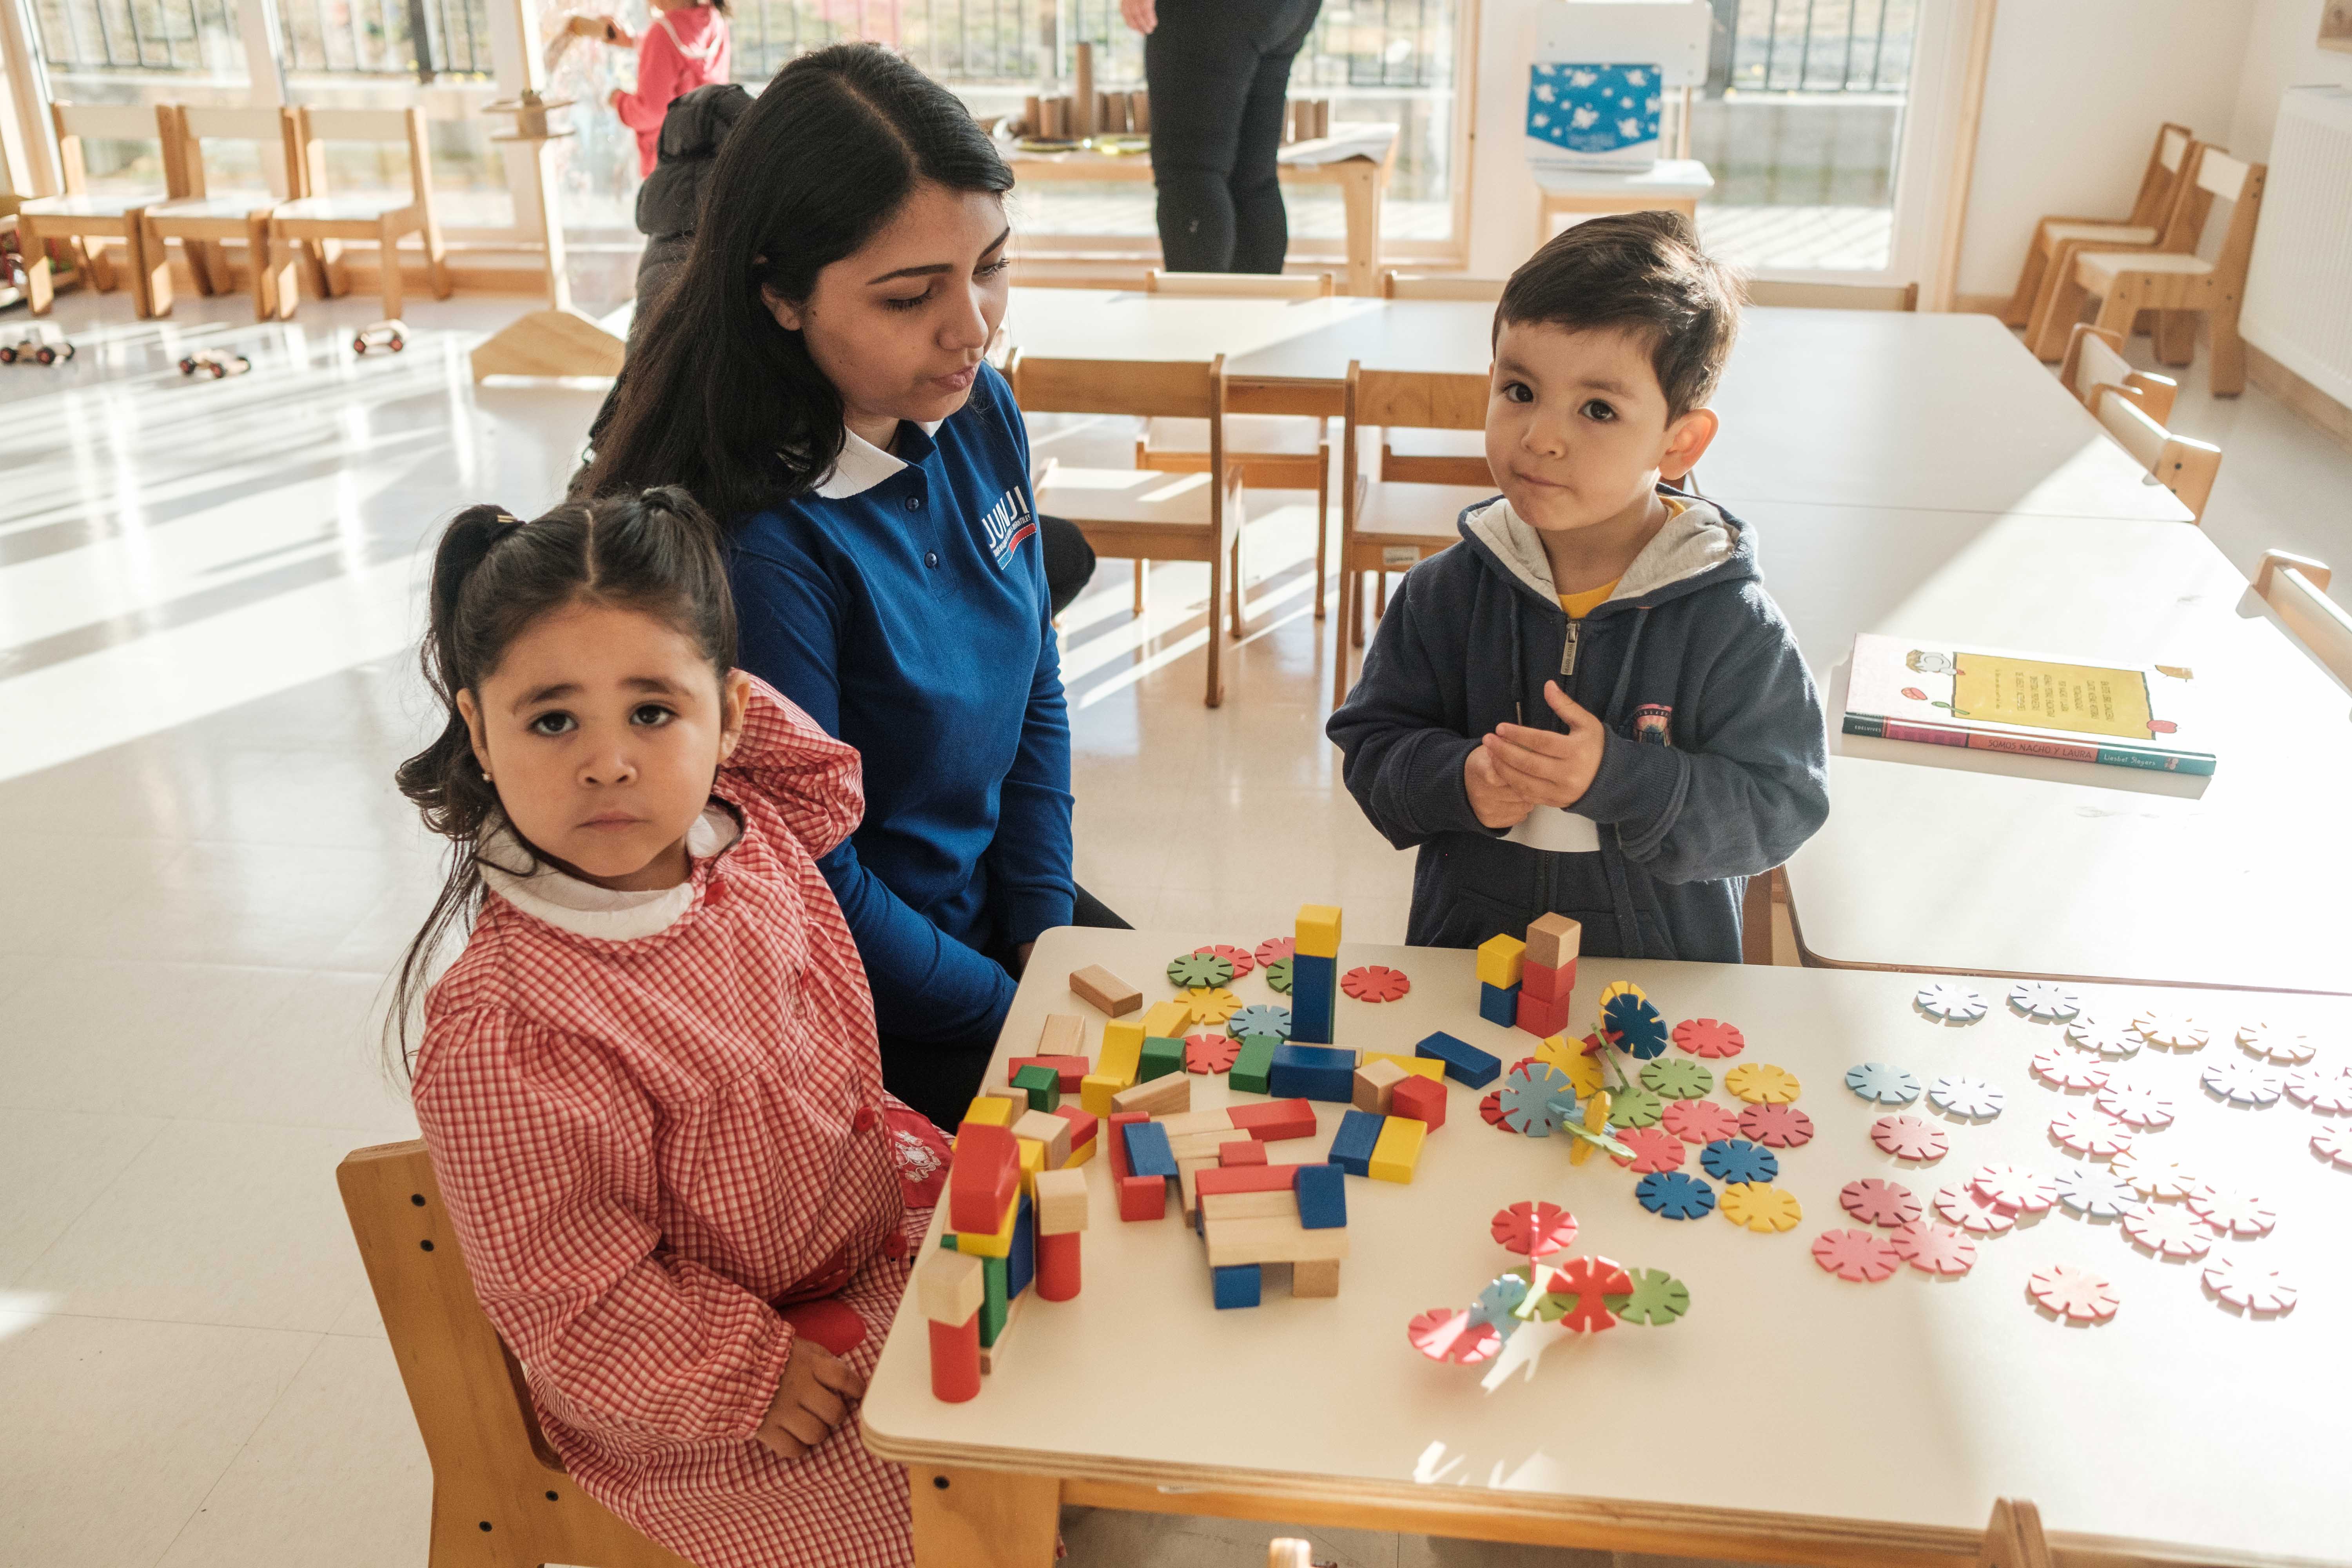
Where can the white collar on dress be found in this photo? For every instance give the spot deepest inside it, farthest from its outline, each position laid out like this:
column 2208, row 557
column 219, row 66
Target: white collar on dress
column 584, row 909
column 863, row 465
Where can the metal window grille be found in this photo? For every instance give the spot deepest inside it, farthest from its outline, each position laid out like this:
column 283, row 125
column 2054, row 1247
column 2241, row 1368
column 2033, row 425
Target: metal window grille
column 1813, row 45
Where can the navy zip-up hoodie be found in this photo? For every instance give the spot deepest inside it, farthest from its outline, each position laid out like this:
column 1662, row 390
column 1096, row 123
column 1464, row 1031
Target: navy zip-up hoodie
column 1715, row 768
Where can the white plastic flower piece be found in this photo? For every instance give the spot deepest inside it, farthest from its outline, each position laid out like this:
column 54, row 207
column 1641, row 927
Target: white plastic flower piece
column 2044, row 1001
column 1951, row 1002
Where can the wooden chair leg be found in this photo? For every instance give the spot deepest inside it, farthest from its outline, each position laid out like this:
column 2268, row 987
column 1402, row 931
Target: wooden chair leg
column 436, row 259
column 1322, row 527
column 208, row 267
column 2227, row 377
column 1356, row 610
column 2020, row 308
column 1142, row 579
column 1219, row 553
column 1234, row 588
column 151, row 267
column 1381, row 596
column 1340, row 636
column 319, row 258
column 40, row 286
column 264, row 281
column 2175, row 336
column 2055, row 312
column 388, row 270
column 90, row 261
column 2122, row 304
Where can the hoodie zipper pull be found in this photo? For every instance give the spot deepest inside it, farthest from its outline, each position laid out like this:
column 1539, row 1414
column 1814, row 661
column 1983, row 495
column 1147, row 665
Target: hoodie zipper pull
column 1567, row 654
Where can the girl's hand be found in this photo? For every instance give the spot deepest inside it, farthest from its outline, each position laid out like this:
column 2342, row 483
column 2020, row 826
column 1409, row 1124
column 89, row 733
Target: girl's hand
column 1546, row 767
column 1495, row 802
column 812, row 1399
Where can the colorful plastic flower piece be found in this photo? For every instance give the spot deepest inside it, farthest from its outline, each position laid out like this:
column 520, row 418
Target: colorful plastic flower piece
column 1542, row 1305
column 2043, row 1000
column 2171, row 1029
column 1278, row 978
column 1375, row 983
column 1710, row 1038
column 1533, row 1230
column 1675, row 1079
column 1450, row 1335
column 1210, row 1053
column 1536, row 1099
column 2154, row 1176
column 2250, row 1287
column 2075, row 1294
column 1653, row 1148
column 1499, row 1304
column 1971, row 1097
column 1700, row 1121
column 1490, row 1106
column 2135, row 1103
column 1212, row 1004
column 1908, row 1138
column 2333, row 1144
column 1636, row 1107
column 1591, row 1281
column 2243, row 1082
column 1881, row 1083
column 2326, row 1089
column 1776, row 1126
column 2014, row 1189
column 1675, row 1195
column 1886, row 1203
column 1761, row 1083
column 2063, row 1066
column 1737, row 1160
column 1935, row 1248
column 2107, row 1036
column 2234, row 1211
column 1238, row 957
column 1864, row 1257
column 2169, row 1231
column 1960, row 1206
column 1616, row 988
column 1761, row 1207
column 1949, row 1003
column 2273, row 1044
column 1200, row 971
column 1275, row 948
column 1260, row 1018
column 1657, row 1299
column 2089, row 1131
column 2096, row 1195
column 1585, row 1074
column 1631, row 1023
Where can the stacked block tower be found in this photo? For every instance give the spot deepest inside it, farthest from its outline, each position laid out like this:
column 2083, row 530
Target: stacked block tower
column 1315, row 975
column 1525, row 984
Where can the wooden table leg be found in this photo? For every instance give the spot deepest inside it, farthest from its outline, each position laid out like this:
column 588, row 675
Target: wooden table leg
column 987, row 1519
column 1360, row 189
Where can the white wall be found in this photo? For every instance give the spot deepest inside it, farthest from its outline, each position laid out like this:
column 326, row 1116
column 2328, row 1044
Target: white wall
column 2280, row 54
column 1502, row 196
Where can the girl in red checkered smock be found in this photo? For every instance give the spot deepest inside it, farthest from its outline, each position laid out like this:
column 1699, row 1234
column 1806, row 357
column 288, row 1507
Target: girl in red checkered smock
column 650, row 1082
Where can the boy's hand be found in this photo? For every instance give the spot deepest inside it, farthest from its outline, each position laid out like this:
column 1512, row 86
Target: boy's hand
column 1544, row 767
column 812, row 1399
column 1495, row 802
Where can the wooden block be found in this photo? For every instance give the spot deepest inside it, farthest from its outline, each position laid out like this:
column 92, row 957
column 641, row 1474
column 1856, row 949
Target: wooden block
column 1271, row 1238
column 1043, row 1085
column 1082, row 1154
column 1082, row 1125
column 1160, row 1057
column 1539, row 1018
column 996, row 1243
column 951, row 1286
column 1499, row 960
column 1317, row 934
column 1065, row 1035
column 1500, row 1005
column 1275, row 1120
column 1353, row 1144
column 1553, row 941
column 993, row 1344
column 1148, row 1154
column 1071, row 1070
column 1549, row 984
column 1420, row 1067
column 986, row 1176
column 1422, row 1100
column 1016, row 1098
column 1248, row 1073
column 955, row 1360
column 1187, row 1184
column 1098, row 987
column 1033, row 1161
column 1204, row 1145
column 1099, row 1093
column 1465, row 1062
column 1246, row 1205
column 1315, row 1277
column 1059, row 1261
column 1185, row 1123
column 1169, row 1020
column 1314, row 1072
column 992, row 1110
column 1398, row 1153
column 1320, row 1196
column 1248, row 1179
column 1375, row 1082
column 1252, row 1153
column 1113, row 1135
column 1049, row 1130
column 1061, row 1202
column 1236, row 1285
column 1142, row 1197
column 1161, row 1095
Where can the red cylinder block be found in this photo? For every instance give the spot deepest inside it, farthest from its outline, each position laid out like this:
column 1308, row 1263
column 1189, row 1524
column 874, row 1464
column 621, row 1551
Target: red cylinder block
column 1057, row 1265
column 955, row 1360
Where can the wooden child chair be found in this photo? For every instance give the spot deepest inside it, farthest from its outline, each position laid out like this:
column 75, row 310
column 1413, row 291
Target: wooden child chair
column 2057, row 302
column 2095, row 359
column 318, row 220
column 80, row 217
column 200, row 219
column 2159, row 185
column 1391, row 521
column 1395, row 285
column 2178, row 284
column 2295, row 587
column 501, row 1497
column 1270, row 451
column 2186, row 467
column 1141, row 514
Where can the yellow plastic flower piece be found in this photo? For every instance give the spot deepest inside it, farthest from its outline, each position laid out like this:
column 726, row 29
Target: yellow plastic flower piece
column 1567, row 1055
column 1761, row 1083
column 1609, row 993
column 1596, row 1119
column 1212, row 1004
column 1760, row 1207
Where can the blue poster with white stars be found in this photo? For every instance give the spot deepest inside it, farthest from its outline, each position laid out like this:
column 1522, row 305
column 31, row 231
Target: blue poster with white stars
column 1601, row 114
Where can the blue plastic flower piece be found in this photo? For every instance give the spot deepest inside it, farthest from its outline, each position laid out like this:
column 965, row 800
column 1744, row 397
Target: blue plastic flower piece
column 1499, row 1304
column 1259, row 1018
column 1531, row 1099
column 1675, row 1195
column 1737, row 1160
column 1633, row 1026
column 1883, row 1083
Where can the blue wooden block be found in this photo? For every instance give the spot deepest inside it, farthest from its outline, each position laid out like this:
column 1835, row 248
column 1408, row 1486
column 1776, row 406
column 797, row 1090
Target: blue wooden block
column 1312, row 1072
column 1464, row 1063
column 1352, row 1146
column 1020, row 1263
column 1314, row 998
column 1499, row 1004
column 1236, row 1285
column 1148, row 1154
column 1322, row 1197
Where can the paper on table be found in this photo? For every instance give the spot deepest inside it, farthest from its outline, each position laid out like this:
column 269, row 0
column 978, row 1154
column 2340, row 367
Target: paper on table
column 1349, row 138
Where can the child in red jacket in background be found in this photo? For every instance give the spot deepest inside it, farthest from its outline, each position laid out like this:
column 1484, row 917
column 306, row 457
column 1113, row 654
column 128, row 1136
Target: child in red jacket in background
column 685, row 47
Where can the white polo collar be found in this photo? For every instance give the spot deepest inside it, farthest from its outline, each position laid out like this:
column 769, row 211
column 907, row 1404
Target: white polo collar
column 863, row 465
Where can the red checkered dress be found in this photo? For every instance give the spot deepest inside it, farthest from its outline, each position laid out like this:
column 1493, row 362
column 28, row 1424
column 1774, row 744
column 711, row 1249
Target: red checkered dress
column 645, row 1143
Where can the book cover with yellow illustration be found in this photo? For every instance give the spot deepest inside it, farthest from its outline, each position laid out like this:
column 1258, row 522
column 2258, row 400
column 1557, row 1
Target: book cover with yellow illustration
column 1908, row 689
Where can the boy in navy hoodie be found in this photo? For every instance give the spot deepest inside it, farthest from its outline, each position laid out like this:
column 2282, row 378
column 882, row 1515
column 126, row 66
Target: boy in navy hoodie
column 1592, row 705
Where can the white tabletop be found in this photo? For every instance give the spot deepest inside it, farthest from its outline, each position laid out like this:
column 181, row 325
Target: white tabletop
column 1978, row 861
column 1885, row 1415
column 1666, row 177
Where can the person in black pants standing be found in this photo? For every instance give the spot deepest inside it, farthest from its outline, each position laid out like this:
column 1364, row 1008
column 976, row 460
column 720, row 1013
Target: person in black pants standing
column 1218, row 70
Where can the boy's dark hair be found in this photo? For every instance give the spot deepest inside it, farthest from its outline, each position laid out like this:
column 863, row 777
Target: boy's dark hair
column 493, row 576
column 1642, row 272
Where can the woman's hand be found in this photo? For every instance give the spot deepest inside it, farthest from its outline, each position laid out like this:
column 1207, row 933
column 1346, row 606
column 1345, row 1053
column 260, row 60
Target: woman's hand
column 812, row 1400
column 1141, row 14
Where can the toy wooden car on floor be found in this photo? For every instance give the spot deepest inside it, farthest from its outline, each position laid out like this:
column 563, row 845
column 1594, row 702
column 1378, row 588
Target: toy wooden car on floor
column 390, row 335
column 214, row 362
column 36, row 350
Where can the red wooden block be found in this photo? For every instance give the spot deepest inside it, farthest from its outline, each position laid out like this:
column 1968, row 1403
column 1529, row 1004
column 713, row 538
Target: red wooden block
column 1541, row 1018
column 1057, row 1264
column 1548, row 985
column 1245, row 1179
column 1275, row 1119
column 1082, row 1124
column 1423, row 1099
column 1117, row 1140
column 986, row 1174
column 1252, row 1153
column 1142, row 1197
column 955, row 1360
column 1071, row 1070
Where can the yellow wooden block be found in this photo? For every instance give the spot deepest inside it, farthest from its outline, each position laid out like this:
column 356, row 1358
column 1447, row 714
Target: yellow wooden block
column 990, row 1109
column 1317, row 932
column 1083, row 1152
column 1122, row 1055
column 1033, row 1160
column 1568, row 1054
column 1501, row 961
column 999, row 1245
column 1166, row 1020
column 1398, row 1150
column 1427, row 1067
column 1096, row 1091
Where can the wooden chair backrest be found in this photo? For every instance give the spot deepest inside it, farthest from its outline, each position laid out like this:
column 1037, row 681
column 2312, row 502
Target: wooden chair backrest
column 1395, row 285
column 2186, row 467
column 2295, row 588
column 1239, row 285
column 75, row 123
column 313, row 127
column 1416, row 399
column 2013, row 1538
column 1836, row 296
column 2094, row 359
column 2179, row 223
column 183, row 145
column 1149, row 389
column 2241, row 185
column 2162, row 179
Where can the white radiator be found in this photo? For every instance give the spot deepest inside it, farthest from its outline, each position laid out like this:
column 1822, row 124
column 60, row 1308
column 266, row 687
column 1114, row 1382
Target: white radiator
column 2298, row 305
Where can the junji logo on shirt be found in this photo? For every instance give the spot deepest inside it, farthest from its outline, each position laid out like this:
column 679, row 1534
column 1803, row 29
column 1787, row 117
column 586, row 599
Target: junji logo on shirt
column 1008, row 522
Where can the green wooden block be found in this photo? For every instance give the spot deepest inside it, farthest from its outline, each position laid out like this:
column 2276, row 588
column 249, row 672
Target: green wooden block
column 996, row 1302
column 1251, row 1068
column 1043, row 1085
column 1161, row 1057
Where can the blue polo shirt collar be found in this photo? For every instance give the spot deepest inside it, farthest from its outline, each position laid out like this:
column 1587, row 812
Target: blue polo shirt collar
column 863, row 465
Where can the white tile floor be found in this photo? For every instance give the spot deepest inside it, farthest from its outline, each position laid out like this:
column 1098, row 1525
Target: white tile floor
column 206, row 595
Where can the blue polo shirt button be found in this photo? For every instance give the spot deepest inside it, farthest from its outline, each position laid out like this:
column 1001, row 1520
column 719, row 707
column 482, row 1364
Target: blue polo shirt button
column 931, row 558
column 914, row 503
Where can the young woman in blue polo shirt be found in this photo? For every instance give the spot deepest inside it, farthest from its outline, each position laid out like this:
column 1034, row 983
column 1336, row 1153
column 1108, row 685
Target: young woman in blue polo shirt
column 815, row 376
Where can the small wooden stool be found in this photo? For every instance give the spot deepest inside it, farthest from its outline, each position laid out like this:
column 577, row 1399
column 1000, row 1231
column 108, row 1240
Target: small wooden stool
column 1671, row 185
